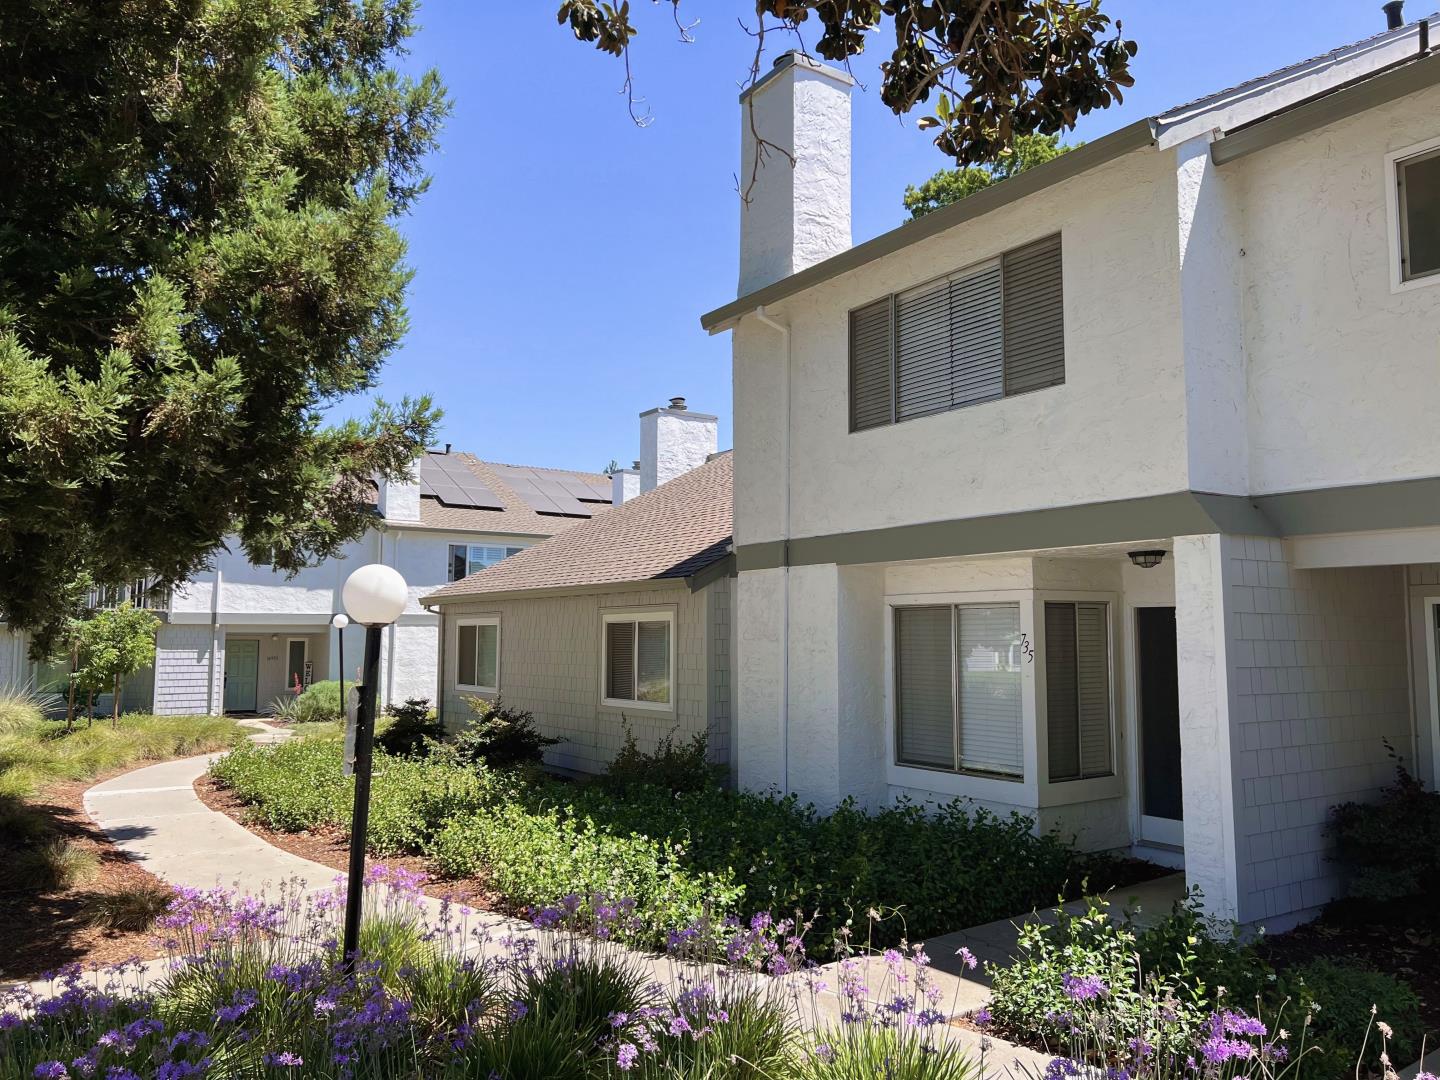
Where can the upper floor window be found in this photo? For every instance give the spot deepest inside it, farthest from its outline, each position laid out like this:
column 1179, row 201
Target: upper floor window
column 1077, row 690
column 957, row 688
column 467, row 559
column 989, row 331
column 638, row 661
column 1417, row 184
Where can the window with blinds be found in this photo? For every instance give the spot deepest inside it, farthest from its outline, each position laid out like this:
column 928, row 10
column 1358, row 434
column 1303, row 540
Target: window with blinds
column 477, row 660
column 1077, row 690
column 467, row 559
column 985, row 332
column 957, row 688
column 637, row 660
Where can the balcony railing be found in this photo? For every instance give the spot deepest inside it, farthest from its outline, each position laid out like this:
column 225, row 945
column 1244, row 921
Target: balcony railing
column 142, row 593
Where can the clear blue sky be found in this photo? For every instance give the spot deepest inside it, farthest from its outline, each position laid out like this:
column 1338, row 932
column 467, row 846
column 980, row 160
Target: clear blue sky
column 563, row 256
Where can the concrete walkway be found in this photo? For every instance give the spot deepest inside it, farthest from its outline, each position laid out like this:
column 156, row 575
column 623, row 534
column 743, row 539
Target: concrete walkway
column 154, row 815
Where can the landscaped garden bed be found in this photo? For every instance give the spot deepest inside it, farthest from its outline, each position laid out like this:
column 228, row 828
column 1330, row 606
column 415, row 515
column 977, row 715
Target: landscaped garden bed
column 682, row 849
column 67, row 894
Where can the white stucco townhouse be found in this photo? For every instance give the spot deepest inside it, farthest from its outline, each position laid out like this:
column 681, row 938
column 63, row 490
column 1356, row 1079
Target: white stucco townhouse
column 1112, row 493
column 239, row 636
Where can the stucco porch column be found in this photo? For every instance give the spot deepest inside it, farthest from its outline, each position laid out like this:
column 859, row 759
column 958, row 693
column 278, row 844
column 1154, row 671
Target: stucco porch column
column 1205, row 720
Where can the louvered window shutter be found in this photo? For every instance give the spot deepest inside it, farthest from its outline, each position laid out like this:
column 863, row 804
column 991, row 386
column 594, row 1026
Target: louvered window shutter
column 1093, row 684
column 620, row 661
column 989, row 677
column 653, row 657
column 1077, row 690
column 1034, row 317
column 925, row 707
column 1061, row 692
column 922, row 345
column 871, row 365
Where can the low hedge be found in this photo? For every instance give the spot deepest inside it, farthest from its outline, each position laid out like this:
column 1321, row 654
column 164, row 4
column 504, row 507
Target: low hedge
column 536, row 839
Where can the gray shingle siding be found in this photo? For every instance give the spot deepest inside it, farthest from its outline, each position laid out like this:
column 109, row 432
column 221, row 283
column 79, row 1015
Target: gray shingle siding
column 183, row 670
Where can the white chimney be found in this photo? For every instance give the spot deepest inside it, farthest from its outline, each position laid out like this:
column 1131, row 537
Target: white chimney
column 674, row 440
column 400, row 500
column 624, row 484
column 795, row 216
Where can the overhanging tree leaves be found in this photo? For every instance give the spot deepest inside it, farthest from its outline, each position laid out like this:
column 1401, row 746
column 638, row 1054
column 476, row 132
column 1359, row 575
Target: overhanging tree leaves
column 951, row 185
column 197, row 256
column 999, row 68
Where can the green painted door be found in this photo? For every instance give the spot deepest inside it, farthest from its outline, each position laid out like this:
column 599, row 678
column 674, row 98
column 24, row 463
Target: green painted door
column 242, row 670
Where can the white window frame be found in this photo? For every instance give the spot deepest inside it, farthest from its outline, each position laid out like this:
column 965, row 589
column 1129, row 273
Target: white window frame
column 1395, row 226
column 477, row 620
column 1018, row 791
column 639, row 615
column 508, row 548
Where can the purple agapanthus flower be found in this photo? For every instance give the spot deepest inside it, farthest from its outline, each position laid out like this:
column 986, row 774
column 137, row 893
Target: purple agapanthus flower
column 1082, row 987
column 626, row 1056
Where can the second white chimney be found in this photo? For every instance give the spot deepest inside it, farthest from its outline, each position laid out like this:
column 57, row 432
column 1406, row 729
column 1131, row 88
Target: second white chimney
column 674, row 440
column 795, row 216
column 399, row 500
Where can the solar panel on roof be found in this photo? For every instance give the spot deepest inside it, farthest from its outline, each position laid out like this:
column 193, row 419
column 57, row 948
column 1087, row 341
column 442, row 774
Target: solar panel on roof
column 545, row 492
column 452, row 482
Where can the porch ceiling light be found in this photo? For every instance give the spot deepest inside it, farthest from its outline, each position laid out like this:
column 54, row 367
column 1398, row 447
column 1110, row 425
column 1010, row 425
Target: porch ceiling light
column 375, row 595
column 1147, row 559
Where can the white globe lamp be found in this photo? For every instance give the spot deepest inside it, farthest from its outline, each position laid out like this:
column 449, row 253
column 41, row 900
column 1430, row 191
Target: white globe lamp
column 375, row 595
column 340, row 621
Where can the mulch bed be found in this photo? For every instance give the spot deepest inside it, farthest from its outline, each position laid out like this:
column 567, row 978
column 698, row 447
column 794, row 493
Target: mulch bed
column 330, row 847
column 43, row 931
column 1397, row 939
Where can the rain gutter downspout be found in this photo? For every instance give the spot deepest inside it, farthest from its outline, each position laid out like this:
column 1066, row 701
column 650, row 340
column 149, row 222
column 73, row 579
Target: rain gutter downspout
column 781, row 328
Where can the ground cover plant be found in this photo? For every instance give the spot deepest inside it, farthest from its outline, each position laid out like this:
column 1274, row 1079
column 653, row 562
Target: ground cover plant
column 678, row 847
column 255, row 988
column 1095, row 989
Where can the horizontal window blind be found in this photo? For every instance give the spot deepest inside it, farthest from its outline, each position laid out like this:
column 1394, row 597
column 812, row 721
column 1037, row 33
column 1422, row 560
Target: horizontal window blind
column 924, row 685
column 620, row 661
column 990, row 714
column 957, row 688
column 653, row 662
column 985, row 332
column 1077, row 690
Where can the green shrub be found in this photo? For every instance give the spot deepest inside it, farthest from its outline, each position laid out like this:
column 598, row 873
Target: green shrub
column 320, row 701
column 499, row 737
column 133, row 908
column 670, row 767
column 290, row 786
column 1347, row 993
column 413, row 726
column 1390, row 849
column 54, row 865
column 535, row 858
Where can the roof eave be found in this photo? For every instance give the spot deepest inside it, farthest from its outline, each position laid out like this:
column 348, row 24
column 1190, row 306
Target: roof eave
column 1082, row 159
column 628, row 585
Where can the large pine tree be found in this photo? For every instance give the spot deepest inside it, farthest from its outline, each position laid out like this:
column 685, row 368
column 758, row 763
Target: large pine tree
column 197, row 255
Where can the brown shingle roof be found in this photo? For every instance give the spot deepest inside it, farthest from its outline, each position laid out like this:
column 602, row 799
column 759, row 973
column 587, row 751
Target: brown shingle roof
column 516, row 518
column 672, row 532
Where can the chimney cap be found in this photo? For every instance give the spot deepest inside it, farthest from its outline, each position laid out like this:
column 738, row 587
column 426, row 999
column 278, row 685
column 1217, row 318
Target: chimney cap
column 1394, row 14
column 677, row 403
column 796, row 58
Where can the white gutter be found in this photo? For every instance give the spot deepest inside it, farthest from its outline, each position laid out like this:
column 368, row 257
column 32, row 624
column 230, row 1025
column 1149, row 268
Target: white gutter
column 781, row 328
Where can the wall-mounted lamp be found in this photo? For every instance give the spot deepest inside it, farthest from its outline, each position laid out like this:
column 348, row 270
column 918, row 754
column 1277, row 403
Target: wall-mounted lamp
column 1147, row 559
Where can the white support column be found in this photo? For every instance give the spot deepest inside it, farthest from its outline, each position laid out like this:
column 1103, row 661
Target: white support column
column 1206, row 761
column 759, row 676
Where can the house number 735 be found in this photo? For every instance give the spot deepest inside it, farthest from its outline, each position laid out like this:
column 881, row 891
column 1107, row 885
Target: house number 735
column 1026, row 649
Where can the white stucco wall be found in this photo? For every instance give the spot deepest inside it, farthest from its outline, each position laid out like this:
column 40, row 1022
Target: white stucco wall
column 1342, row 372
column 1109, row 432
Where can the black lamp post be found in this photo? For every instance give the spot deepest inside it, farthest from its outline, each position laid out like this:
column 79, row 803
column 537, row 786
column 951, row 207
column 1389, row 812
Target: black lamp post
column 341, row 621
column 374, row 597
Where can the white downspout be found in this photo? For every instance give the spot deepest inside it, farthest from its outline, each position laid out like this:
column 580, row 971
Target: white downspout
column 781, row 328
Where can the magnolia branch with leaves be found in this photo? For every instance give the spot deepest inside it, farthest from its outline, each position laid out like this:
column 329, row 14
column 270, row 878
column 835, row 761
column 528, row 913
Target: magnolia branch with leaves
column 996, row 69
